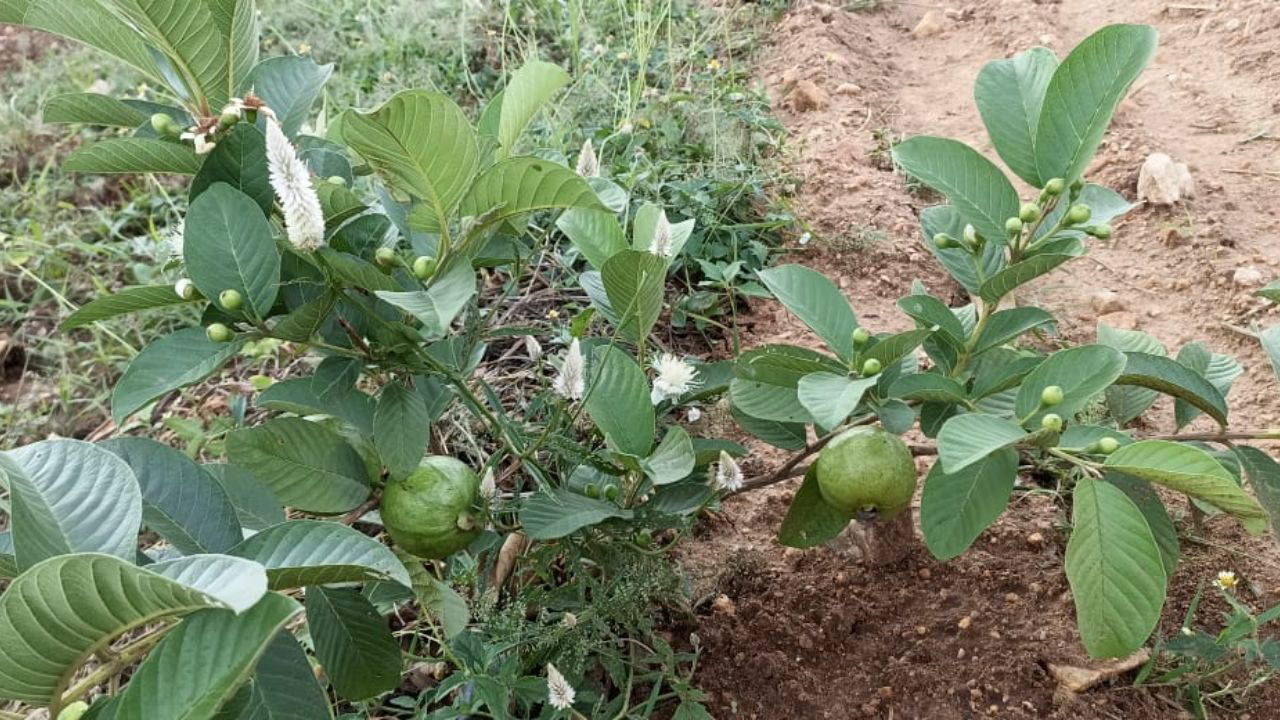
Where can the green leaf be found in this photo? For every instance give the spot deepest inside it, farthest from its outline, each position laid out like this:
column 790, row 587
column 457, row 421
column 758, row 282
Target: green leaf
column 559, row 512
column 929, row 387
column 521, row 185
column 1220, row 370
column 1192, row 471
column 437, row 306
column 180, row 501
column 437, row 597
column 896, row 416
column 69, row 496
column 1008, row 325
column 1147, row 500
column 353, row 643
column 1264, row 477
column 634, row 282
column 298, row 396
column 200, row 664
column 228, row 245
column 892, row 348
column 234, row 582
column 240, row 161
column 767, row 379
column 966, row 439
column 618, row 401
column 958, row 262
column 1005, row 281
column 973, row 184
column 133, row 155
column 290, row 86
column 1116, row 573
column 128, row 300
column 929, row 311
column 190, row 39
column 1009, row 94
column 304, row 323
column 8, row 563
column 784, row 435
column 673, row 459
column 596, row 233
column 87, row 21
column 60, row 611
column 92, row 109
column 316, row 552
column 1081, row 372
column 401, row 428
column 1126, row 402
column 1270, row 292
column 830, row 398
column 284, row 687
column 183, row 358
column 357, row 273
column 307, row 466
column 403, row 140
column 810, row 521
column 1083, row 95
column 256, row 508
column 238, row 21
column 1079, row 436
column 1173, row 378
column 529, row 88
column 645, row 226
column 1270, row 339
column 816, row 301
column 955, row 508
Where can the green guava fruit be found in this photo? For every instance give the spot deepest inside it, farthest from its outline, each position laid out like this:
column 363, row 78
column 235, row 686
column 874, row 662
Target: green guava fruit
column 867, row 471
column 431, row 513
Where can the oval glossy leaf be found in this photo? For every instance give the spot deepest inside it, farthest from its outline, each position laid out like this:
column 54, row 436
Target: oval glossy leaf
column 618, row 401
column 929, row 311
column 1002, row 283
column 1082, row 372
column 1009, row 94
column 69, row 496
column 191, row 39
column 955, row 508
column 831, row 398
column 123, row 302
column 1114, row 566
column 977, row 189
column 1008, row 325
column 634, row 282
column 1220, row 370
column 816, row 301
column 929, row 387
column 239, row 160
column 1148, row 502
column 284, row 687
column 133, row 155
column 673, row 460
column 438, row 306
column 1170, row 377
column 228, row 245
column 306, row 465
column 967, row 439
column 560, row 512
column 1192, row 471
column 55, row 614
column 180, row 501
column 957, row 261
column 810, row 521
column 202, row 662
column 596, row 234
column 92, row 109
column 529, row 88
column 289, row 85
column 234, row 582
column 183, row 358
column 255, row 506
column 892, row 348
column 1126, row 402
column 315, row 552
column 1083, row 94
column 521, row 185
column 353, row 642
column 401, row 428
column 784, row 435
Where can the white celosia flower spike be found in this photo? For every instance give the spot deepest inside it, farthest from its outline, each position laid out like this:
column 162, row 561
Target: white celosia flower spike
column 303, row 217
column 728, row 476
column 488, row 486
column 662, row 245
column 560, row 693
column 675, row 378
column 588, row 163
column 571, row 381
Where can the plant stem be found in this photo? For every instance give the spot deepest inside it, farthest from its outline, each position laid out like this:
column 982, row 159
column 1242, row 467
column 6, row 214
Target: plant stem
column 119, row 661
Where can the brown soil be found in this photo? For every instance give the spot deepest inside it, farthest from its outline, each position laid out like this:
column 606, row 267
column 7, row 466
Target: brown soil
column 812, row 634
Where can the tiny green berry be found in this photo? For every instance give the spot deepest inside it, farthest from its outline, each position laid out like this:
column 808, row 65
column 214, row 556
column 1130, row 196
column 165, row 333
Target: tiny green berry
column 1108, row 445
column 944, row 241
column 1055, row 186
column 871, row 367
column 1029, row 212
column 1013, row 226
column 644, row 538
column 74, row 711
column 337, row 180
column 611, row 493
column 592, row 490
column 164, row 125
column 1051, row 396
column 424, row 267
column 231, row 299
column 1078, row 214
column 1101, row 231
column 228, row 119
column 386, row 257
column 219, row 333
column 1051, row 422
column 861, row 336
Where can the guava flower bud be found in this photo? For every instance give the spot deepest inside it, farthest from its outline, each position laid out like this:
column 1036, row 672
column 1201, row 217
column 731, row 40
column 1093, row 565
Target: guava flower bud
column 231, row 299
column 1101, row 231
column 1052, row 422
column 612, row 493
column 1108, row 445
column 1078, row 214
column 228, row 119
column 424, row 267
column 385, row 257
column 219, row 333
column 944, row 241
column 971, row 236
column 861, row 336
column 871, row 367
column 165, row 126
column 1029, row 212
column 1051, row 396
column 592, row 490
column 186, row 289
column 1055, row 186
column 1013, row 226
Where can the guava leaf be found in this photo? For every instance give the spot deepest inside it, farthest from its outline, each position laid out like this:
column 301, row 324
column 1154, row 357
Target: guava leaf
column 810, row 521
column 1009, row 94
column 955, row 508
column 977, row 189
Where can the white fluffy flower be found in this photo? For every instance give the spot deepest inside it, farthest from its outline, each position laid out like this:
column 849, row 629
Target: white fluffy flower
column 571, row 381
column 185, row 289
column 588, row 163
column 662, row 245
column 201, row 138
column 488, row 486
column 303, row 217
column 533, row 347
column 675, row 378
column 728, row 476
column 560, row 693
column 1226, row 580
column 694, row 415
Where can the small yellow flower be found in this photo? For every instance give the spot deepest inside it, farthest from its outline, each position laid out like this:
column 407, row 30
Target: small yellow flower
column 304, row 48
column 553, row 314
column 1226, row 580
column 644, row 123
column 713, row 64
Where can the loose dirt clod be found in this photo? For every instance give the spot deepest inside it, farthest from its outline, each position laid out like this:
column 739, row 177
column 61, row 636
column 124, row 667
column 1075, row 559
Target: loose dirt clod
column 931, row 24
column 1080, row 679
column 808, row 96
column 1162, row 181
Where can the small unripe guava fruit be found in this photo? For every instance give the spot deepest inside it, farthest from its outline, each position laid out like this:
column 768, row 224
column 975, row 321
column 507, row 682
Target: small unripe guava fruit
column 944, row 241
column 1051, row 396
column 231, row 299
column 1029, row 212
column 592, row 490
column 644, row 538
column 1108, row 445
column 386, row 257
column 1055, row 186
column 1078, row 214
column 861, row 336
column 867, row 470
column 612, row 493
column 430, row 513
column 164, row 125
column 1101, row 231
column 1013, row 225
column 228, row 119
column 871, row 367
column 336, row 180
column 424, row 267
column 1052, row 422
column 219, row 333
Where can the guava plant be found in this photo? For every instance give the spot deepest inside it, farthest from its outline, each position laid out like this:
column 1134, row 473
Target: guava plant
column 154, row 584
column 990, row 397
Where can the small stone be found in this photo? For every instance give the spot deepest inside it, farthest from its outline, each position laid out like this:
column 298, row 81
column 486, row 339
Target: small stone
column 931, row 24
column 723, row 604
column 925, row 573
column 1107, row 301
column 1120, row 320
column 808, row 96
column 886, row 692
column 922, row 630
column 1035, row 539
column 805, row 642
column 965, row 622
column 1161, row 181
column 960, row 654
column 1248, row 276
column 1011, row 597
column 848, row 89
